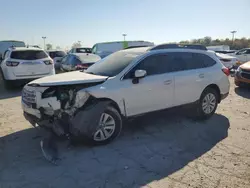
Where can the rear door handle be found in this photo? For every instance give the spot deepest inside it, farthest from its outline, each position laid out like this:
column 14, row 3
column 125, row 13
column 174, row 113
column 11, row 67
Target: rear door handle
column 167, row 82
column 201, row 75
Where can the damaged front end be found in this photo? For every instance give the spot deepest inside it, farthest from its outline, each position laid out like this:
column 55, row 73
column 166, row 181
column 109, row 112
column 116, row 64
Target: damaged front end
column 54, row 107
column 66, row 111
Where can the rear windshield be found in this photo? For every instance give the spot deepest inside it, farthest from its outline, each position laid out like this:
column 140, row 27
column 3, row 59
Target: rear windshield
column 83, row 50
column 29, row 54
column 57, row 54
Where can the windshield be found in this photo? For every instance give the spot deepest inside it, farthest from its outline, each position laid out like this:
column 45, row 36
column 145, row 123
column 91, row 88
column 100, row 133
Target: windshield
column 112, row 64
column 29, row 55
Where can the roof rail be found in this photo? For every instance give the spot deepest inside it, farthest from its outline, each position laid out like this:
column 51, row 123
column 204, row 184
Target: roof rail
column 136, row 47
column 173, row 46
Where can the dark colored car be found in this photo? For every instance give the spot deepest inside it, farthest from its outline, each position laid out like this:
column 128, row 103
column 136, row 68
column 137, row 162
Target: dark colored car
column 80, row 50
column 78, row 61
column 56, row 55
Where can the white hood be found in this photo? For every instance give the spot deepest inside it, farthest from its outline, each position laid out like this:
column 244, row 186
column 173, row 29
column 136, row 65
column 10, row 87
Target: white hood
column 69, row 78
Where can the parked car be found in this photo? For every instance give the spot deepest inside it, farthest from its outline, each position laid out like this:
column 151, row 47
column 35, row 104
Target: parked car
column 78, row 61
column 106, row 48
column 225, row 51
column 127, row 83
column 23, row 64
column 219, row 48
column 243, row 55
column 80, row 50
column 229, row 61
column 6, row 44
column 57, row 56
column 242, row 75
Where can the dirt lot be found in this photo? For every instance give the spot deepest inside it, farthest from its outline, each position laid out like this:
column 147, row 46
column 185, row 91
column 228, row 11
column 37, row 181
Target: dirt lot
column 159, row 150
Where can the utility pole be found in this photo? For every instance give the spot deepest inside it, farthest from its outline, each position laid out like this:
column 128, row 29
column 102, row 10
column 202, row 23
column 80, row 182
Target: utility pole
column 44, row 38
column 124, row 37
column 233, row 32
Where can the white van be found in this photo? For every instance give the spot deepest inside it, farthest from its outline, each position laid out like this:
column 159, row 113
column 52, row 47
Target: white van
column 6, row 44
column 107, row 48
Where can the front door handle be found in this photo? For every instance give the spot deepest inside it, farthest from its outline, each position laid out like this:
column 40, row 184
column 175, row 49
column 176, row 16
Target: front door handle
column 201, row 75
column 167, row 82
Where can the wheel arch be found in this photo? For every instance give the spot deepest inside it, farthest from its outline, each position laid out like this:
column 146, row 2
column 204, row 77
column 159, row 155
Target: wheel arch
column 120, row 108
column 216, row 88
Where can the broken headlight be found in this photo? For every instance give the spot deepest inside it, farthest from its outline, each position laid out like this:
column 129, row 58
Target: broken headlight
column 49, row 93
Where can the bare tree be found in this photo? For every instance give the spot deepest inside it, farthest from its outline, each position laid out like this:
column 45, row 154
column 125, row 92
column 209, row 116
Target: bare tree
column 49, row 46
column 77, row 44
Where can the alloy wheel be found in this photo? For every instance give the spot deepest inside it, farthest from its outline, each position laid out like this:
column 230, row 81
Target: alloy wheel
column 106, row 127
column 209, row 103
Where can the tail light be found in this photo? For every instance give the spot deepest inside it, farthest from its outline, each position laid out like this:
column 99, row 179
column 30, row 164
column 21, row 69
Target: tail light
column 83, row 66
column 226, row 71
column 11, row 63
column 48, row 62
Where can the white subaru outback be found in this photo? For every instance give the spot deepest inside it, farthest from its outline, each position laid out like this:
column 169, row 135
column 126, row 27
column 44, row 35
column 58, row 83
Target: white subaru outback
column 127, row 83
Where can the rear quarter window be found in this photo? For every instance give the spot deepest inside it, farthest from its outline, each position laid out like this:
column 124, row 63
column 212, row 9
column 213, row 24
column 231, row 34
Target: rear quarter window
column 204, row 59
column 29, row 55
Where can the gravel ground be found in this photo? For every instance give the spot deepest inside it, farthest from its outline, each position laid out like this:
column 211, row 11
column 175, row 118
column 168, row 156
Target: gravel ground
column 164, row 149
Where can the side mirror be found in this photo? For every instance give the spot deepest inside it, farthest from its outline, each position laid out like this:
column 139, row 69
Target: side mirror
column 140, row 73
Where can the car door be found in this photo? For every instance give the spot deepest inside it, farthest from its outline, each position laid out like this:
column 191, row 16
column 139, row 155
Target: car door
column 64, row 63
column 188, row 76
column 154, row 91
column 74, row 61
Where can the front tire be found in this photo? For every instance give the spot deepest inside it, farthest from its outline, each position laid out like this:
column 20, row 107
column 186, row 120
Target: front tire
column 207, row 104
column 109, row 128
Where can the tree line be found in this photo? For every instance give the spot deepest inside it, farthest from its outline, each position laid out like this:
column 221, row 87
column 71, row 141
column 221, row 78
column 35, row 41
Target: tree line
column 235, row 44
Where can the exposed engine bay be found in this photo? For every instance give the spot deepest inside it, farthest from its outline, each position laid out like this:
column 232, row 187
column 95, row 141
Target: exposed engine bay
column 67, row 111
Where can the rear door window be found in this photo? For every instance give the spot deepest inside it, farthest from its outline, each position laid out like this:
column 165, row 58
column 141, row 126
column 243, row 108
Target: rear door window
column 65, row 59
column 29, row 54
column 188, row 61
column 74, row 61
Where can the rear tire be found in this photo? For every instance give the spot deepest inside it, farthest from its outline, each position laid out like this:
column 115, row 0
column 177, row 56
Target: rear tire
column 207, row 104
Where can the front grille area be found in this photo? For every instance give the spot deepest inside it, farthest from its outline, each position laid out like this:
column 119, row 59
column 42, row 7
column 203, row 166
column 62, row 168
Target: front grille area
column 28, row 96
column 245, row 75
column 245, row 71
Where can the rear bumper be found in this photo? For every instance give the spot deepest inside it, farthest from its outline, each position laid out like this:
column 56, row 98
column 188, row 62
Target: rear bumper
column 10, row 75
